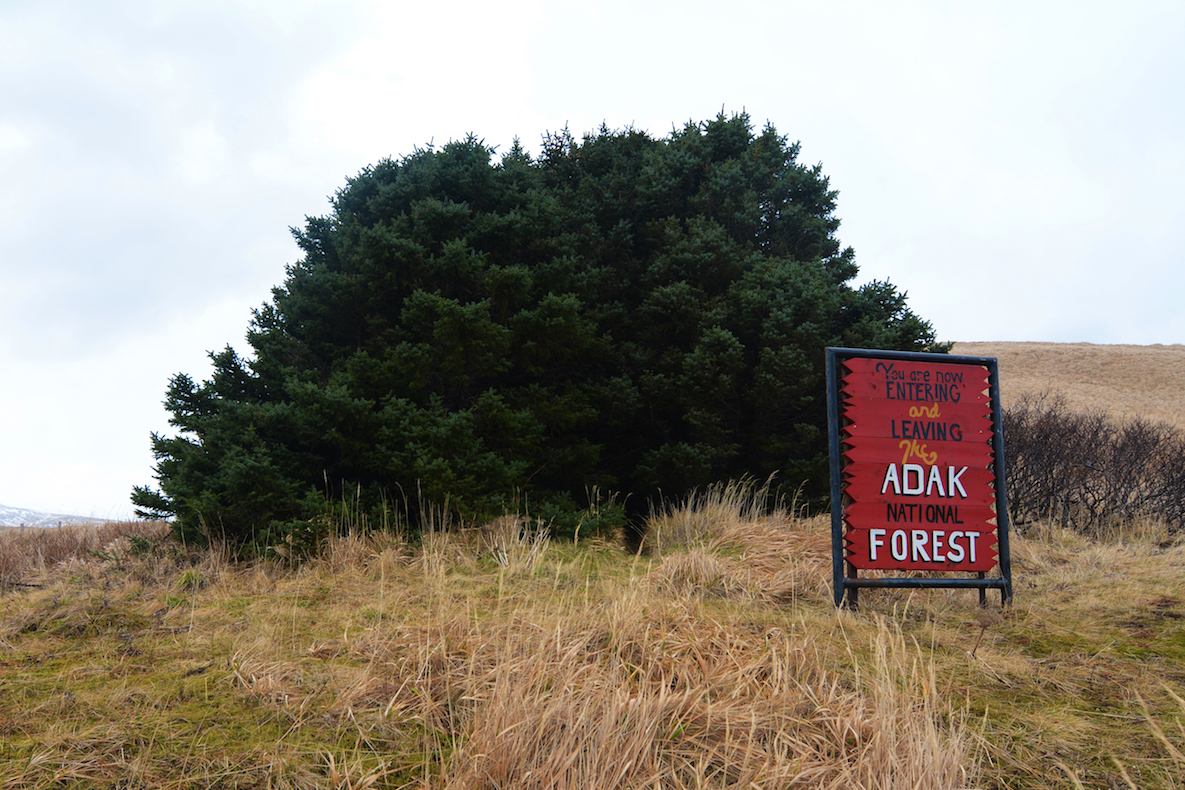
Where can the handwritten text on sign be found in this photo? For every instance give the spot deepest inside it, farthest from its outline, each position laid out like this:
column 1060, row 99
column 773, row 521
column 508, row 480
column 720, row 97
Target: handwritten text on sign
column 918, row 466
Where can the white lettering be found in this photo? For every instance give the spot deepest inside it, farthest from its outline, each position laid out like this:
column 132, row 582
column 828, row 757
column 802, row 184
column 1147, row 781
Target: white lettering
column 920, row 538
column 971, row 536
column 935, row 480
column 913, row 480
column 908, row 489
column 953, row 481
column 875, row 541
column 936, row 546
column 957, row 553
column 899, row 545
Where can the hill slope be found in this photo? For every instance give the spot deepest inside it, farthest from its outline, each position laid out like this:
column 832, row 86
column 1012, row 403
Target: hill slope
column 20, row 517
column 1125, row 381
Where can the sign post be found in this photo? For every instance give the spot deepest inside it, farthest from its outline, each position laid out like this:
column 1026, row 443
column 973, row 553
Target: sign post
column 917, row 472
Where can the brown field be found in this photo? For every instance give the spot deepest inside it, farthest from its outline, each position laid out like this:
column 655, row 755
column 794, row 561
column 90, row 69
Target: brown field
column 1124, row 381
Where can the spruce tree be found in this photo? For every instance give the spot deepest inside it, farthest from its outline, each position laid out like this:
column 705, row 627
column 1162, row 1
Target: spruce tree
column 622, row 313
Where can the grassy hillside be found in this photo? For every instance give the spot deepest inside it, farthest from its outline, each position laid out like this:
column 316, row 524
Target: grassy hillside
column 494, row 658
column 1125, row 381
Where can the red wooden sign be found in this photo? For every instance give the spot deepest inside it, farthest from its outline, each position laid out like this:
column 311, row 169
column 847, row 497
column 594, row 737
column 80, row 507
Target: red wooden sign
column 918, row 470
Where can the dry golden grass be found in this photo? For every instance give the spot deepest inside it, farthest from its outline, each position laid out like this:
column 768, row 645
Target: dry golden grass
column 24, row 550
column 494, row 658
column 486, row 658
column 1125, row 381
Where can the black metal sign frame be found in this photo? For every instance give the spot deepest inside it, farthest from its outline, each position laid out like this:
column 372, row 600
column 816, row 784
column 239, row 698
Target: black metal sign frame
column 846, row 579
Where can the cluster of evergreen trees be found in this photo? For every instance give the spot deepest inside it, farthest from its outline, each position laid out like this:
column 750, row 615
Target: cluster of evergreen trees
column 622, row 313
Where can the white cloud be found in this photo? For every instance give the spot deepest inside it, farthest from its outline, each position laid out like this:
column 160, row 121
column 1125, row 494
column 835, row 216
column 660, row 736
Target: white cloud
column 203, row 156
column 421, row 74
column 13, row 139
column 1015, row 167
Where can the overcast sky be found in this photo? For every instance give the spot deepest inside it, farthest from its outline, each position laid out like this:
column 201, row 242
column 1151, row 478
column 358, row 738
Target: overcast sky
column 1017, row 168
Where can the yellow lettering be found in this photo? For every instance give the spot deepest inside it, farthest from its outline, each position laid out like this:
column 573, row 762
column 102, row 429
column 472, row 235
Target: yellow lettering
column 921, row 411
column 911, row 448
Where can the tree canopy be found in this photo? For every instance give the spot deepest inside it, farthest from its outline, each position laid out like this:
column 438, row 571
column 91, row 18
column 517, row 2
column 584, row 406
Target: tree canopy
column 621, row 313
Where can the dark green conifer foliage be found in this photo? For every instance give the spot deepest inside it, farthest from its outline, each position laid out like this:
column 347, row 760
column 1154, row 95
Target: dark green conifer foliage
column 624, row 313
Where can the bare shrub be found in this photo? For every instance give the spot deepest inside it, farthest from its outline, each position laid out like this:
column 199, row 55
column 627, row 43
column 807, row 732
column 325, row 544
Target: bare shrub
column 1088, row 471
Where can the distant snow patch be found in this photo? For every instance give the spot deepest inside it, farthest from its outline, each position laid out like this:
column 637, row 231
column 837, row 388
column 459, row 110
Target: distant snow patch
column 19, row 517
